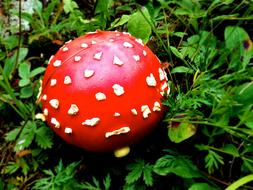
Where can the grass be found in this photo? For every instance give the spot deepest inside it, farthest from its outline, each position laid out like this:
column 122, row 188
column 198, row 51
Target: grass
column 205, row 141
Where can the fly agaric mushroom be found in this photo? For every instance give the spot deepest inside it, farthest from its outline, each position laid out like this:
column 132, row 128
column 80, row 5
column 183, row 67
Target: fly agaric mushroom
column 103, row 91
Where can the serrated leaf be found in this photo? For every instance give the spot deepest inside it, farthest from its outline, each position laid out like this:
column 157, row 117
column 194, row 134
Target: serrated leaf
column 43, row 137
column 107, row 182
column 176, row 52
column 69, row 6
column 178, row 165
column 139, row 26
column 181, row 132
column 12, row 135
column 11, row 168
column 147, row 175
column 182, row 69
column 26, row 136
column 134, row 174
column 234, row 36
column 212, row 161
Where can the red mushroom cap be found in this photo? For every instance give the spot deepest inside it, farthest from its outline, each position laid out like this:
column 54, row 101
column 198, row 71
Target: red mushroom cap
column 103, row 91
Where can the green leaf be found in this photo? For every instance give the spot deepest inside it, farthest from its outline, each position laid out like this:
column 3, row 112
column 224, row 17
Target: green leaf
column 26, row 137
column 107, row 182
column 12, row 135
column 176, row 52
column 36, row 71
column 201, row 186
column 11, row 168
column 139, row 26
column 43, row 137
column 231, row 149
column 120, row 21
column 24, row 70
column 179, row 165
column 181, row 132
column 147, row 175
column 11, row 42
column 24, row 82
column 135, row 171
column 69, row 6
column 182, row 69
column 10, row 62
column 26, row 92
column 212, row 161
column 234, row 36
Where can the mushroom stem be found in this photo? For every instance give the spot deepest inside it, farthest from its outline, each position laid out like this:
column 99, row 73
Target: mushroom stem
column 122, row 152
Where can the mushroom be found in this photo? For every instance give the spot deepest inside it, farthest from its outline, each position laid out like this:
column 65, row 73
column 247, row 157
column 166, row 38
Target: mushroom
column 103, row 91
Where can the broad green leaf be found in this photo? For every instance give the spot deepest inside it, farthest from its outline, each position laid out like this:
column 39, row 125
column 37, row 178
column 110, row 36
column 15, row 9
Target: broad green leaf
column 24, row 70
column 182, row 69
column 36, row 71
column 43, row 137
column 231, row 149
column 120, row 21
column 234, row 36
column 139, row 26
column 11, row 42
column 201, row 186
column 10, row 62
column 26, row 92
column 181, row 132
column 23, row 82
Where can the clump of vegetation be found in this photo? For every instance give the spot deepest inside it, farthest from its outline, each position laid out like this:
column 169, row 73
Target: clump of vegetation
column 205, row 141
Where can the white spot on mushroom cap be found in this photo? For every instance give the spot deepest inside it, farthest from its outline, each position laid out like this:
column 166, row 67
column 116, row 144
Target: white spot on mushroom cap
column 40, row 116
column 68, row 130
column 151, row 80
column 77, row 58
column 134, row 111
column 139, row 41
column 127, row 45
column 64, row 49
column 118, row 34
column 55, row 122
column 116, row 114
column 126, row 33
column 54, row 103
column 100, row 96
column 88, row 73
column 145, row 111
column 136, row 57
column 161, row 74
column 73, row 110
column 157, row 106
column 84, row 45
column 57, row 63
column 122, row 130
column 117, row 61
column 98, row 55
column 45, row 112
column 164, row 86
column 44, row 97
column 53, row 82
column 67, row 80
column 111, row 40
column 118, row 90
column 93, row 42
column 91, row 122
column 144, row 53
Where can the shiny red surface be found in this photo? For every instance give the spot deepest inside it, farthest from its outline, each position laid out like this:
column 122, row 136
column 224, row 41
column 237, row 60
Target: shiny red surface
column 131, row 75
